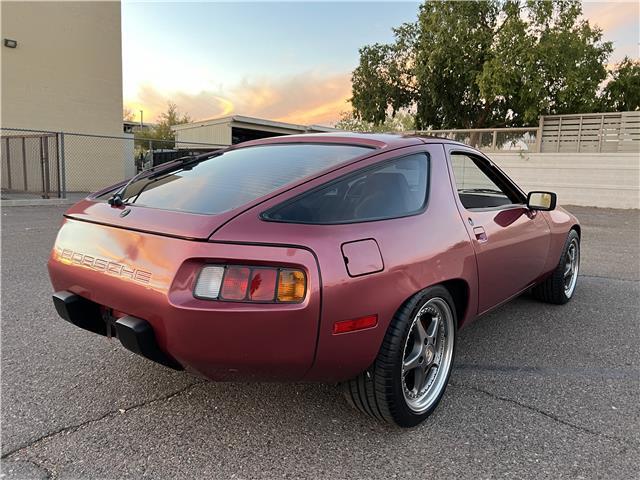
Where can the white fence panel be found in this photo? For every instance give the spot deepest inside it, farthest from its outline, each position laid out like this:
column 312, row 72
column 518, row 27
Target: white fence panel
column 590, row 132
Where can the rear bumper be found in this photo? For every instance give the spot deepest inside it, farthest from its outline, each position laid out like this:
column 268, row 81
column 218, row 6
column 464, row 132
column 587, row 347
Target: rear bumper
column 151, row 277
column 135, row 334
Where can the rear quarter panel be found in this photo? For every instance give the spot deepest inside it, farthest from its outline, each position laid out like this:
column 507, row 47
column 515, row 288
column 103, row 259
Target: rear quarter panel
column 418, row 251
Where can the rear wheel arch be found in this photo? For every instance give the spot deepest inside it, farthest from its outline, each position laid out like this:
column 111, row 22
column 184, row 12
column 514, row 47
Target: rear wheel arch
column 458, row 288
column 377, row 391
column 459, row 291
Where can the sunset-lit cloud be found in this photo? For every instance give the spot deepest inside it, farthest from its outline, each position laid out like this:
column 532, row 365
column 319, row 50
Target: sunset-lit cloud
column 306, row 98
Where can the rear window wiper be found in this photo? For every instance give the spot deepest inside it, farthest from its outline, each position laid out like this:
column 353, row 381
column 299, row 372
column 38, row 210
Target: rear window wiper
column 182, row 163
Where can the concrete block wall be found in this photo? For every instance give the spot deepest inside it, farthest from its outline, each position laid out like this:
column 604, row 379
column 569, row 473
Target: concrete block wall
column 610, row 180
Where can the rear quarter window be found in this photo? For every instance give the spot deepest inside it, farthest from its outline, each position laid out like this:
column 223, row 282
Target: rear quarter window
column 391, row 189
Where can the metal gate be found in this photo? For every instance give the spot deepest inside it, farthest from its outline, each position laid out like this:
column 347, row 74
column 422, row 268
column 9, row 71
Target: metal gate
column 31, row 164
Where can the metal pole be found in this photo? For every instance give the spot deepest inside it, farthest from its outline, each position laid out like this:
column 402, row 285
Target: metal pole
column 42, row 167
column 58, row 165
column 8, row 164
column 601, row 133
column 539, row 134
column 24, row 164
column 494, row 140
column 579, row 134
column 63, row 170
column 47, row 176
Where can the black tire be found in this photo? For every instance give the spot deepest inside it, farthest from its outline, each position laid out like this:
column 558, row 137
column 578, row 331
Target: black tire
column 379, row 391
column 553, row 289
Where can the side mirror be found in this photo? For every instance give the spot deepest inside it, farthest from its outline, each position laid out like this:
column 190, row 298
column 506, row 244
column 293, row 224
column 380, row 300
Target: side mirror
column 541, row 200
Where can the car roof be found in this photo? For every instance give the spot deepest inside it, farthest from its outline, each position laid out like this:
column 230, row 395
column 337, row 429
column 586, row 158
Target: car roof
column 374, row 140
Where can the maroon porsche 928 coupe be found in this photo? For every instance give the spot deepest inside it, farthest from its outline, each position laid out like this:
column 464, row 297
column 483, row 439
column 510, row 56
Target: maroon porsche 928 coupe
column 335, row 257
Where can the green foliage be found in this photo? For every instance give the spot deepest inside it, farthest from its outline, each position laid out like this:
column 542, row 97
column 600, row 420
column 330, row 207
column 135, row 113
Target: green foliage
column 484, row 64
column 160, row 134
column 401, row 122
column 622, row 92
column 166, row 120
column 384, row 77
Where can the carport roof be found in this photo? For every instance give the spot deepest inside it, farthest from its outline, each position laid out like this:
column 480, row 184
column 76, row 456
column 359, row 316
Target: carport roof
column 239, row 120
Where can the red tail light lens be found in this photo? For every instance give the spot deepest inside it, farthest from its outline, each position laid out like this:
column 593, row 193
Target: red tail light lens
column 235, row 283
column 263, row 284
column 251, row 284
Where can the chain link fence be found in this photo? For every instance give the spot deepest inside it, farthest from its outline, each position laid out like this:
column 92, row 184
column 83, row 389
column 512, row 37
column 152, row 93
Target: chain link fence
column 492, row 139
column 31, row 163
column 45, row 164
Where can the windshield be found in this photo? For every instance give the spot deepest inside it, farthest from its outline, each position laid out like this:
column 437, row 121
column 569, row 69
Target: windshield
column 236, row 177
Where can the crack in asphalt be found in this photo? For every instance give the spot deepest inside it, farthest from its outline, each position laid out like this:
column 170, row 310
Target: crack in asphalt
column 555, row 418
column 73, row 428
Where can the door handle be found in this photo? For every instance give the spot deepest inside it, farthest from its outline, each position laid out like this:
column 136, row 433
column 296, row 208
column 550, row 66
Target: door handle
column 480, row 234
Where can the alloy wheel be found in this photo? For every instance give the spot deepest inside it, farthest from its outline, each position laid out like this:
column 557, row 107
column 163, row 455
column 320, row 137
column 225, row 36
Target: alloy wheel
column 428, row 354
column 571, row 267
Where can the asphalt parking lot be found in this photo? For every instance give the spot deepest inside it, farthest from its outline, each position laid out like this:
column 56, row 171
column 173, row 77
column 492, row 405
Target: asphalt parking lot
column 538, row 391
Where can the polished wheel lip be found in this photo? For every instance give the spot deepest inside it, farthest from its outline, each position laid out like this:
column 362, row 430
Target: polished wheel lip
column 571, row 267
column 427, row 355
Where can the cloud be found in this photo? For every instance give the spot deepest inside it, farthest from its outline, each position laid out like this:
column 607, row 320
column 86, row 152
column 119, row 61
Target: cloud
column 611, row 15
column 306, row 98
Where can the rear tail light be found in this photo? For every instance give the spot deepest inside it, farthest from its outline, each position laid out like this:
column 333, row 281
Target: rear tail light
column 209, row 282
column 291, row 285
column 263, row 284
column 251, row 284
column 235, row 283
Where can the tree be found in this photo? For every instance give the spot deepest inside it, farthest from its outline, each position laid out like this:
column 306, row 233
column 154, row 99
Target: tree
column 622, row 92
column 401, row 122
column 166, row 120
column 484, row 64
column 161, row 135
column 127, row 114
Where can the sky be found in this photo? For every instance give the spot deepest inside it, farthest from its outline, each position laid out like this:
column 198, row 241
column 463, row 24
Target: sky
column 282, row 61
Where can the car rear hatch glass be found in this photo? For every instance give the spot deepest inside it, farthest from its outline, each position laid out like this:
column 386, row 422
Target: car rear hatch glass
column 236, row 177
column 192, row 201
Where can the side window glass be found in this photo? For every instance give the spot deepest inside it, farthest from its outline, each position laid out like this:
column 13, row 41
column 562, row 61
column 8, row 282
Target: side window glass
column 391, row 189
column 475, row 188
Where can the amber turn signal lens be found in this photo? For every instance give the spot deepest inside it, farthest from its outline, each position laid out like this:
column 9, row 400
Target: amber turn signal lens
column 292, row 285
